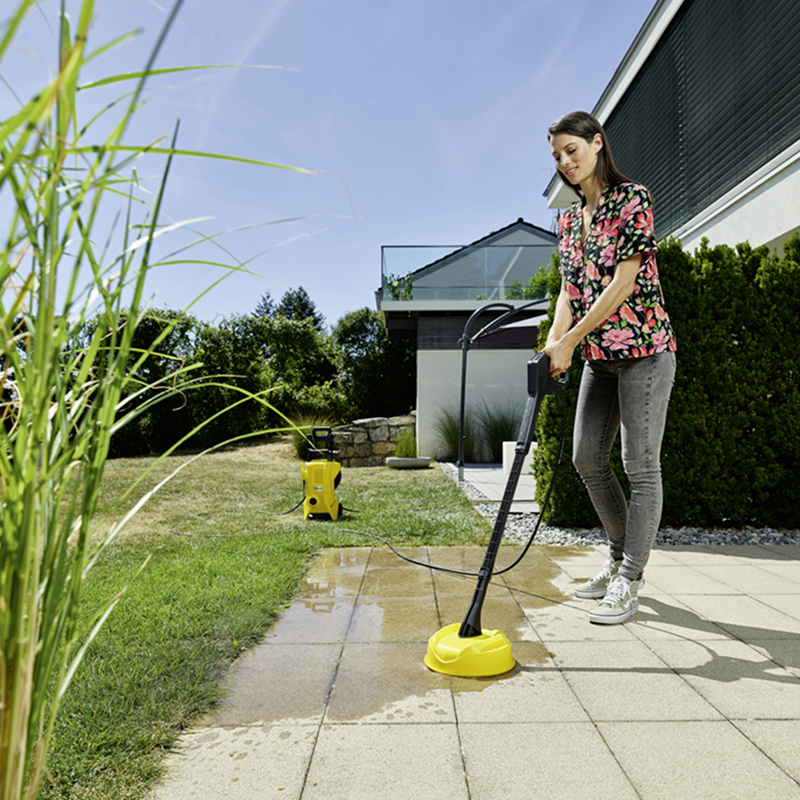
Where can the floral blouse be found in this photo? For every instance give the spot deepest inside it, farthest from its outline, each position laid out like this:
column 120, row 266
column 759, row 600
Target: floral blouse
column 622, row 227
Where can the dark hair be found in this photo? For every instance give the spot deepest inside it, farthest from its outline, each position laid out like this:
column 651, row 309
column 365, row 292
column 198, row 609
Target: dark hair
column 585, row 125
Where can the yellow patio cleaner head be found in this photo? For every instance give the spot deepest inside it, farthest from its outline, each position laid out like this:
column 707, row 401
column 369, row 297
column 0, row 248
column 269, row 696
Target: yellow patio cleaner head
column 488, row 653
column 321, row 476
column 468, row 650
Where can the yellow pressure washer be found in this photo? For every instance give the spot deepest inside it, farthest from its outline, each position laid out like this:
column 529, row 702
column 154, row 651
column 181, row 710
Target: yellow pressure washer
column 321, row 475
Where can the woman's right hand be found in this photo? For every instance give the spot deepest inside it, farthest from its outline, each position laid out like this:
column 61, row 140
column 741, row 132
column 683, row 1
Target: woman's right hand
column 560, row 353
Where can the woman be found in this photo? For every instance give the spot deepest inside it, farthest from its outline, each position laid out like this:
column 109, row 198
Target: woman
column 611, row 304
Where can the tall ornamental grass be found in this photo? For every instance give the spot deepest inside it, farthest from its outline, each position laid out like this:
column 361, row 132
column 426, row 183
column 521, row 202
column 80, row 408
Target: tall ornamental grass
column 60, row 401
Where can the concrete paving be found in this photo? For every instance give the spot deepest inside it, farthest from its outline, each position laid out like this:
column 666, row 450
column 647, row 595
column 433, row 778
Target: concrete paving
column 697, row 696
column 491, row 479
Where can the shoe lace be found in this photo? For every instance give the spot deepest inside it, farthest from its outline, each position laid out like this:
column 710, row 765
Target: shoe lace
column 617, row 590
column 607, row 571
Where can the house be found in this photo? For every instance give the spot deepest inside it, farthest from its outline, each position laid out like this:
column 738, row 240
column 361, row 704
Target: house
column 703, row 111
column 429, row 293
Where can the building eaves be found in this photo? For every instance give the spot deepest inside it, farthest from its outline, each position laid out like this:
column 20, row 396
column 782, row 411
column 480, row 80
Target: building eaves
column 648, row 37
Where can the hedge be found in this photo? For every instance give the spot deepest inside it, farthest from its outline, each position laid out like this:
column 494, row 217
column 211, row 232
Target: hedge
column 731, row 452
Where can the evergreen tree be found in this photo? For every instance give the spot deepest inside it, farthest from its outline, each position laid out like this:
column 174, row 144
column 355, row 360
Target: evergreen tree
column 297, row 305
column 266, row 306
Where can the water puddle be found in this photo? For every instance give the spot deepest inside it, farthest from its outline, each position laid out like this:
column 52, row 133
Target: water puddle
column 350, row 648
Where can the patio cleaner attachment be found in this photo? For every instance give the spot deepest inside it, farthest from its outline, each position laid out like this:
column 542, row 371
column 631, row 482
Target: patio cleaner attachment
column 467, row 650
column 321, row 475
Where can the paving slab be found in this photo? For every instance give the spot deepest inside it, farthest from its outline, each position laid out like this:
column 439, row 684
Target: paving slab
column 778, row 740
column 628, row 681
column 734, row 677
column 491, row 481
column 695, row 759
column 559, row 761
column 353, row 762
column 269, row 762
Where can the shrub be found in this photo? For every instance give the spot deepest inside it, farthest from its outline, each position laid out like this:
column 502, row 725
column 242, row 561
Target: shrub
column 376, row 374
column 321, row 400
column 447, row 427
column 497, row 424
column 169, row 337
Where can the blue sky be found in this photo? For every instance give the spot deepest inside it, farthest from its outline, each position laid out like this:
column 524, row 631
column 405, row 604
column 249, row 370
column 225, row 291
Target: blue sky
column 425, row 119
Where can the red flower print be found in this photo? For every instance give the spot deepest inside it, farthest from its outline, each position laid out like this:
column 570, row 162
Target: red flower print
column 609, row 228
column 642, row 221
column 630, row 208
column 628, row 315
column 660, row 337
column 617, row 339
column 607, row 255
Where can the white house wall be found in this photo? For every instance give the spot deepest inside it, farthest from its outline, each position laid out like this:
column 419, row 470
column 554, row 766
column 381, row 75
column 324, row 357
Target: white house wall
column 493, row 376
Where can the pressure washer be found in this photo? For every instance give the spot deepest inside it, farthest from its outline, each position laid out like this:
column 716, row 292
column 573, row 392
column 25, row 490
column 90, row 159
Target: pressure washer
column 467, row 649
column 321, row 476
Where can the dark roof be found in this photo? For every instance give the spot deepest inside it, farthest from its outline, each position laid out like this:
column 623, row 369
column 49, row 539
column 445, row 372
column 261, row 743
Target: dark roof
column 520, row 223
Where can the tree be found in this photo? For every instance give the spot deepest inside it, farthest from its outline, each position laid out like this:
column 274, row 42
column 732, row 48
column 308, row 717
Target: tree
column 378, row 374
column 232, row 358
column 296, row 354
column 168, row 339
column 297, row 305
column 266, row 306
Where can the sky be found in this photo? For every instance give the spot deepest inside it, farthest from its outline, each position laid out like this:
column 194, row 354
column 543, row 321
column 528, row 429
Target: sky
column 422, row 122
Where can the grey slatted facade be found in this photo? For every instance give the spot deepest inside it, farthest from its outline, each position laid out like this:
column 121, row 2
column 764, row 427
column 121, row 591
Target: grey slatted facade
column 717, row 98
column 443, row 331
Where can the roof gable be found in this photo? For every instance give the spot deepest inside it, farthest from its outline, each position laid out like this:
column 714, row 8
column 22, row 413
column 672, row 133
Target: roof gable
column 516, row 235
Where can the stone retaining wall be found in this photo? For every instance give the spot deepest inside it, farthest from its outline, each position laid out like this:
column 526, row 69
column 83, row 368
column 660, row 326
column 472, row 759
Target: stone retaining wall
column 367, row 442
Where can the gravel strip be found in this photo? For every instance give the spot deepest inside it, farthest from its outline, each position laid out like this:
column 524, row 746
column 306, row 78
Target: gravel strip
column 520, row 526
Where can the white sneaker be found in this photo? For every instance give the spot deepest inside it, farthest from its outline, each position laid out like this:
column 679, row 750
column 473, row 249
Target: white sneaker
column 620, row 602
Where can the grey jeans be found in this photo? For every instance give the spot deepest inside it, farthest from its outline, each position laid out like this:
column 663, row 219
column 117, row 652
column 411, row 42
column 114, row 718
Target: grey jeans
column 631, row 395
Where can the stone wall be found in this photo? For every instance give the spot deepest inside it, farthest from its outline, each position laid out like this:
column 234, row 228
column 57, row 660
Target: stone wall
column 367, row 442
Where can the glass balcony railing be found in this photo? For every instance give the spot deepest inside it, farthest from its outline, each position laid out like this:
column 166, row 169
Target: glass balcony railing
column 479, row 272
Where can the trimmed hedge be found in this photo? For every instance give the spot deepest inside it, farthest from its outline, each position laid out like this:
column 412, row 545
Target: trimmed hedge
column 731, row 453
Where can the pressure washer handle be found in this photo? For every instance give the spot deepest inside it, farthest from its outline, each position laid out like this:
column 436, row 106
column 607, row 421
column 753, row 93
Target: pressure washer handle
column 539, row 381
column 321, row 441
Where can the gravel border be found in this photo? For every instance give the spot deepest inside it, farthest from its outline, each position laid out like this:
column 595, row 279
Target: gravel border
column 520, row 526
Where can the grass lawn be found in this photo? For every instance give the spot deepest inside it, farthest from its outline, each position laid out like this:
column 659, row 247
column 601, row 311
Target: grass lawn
column 210, row 590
